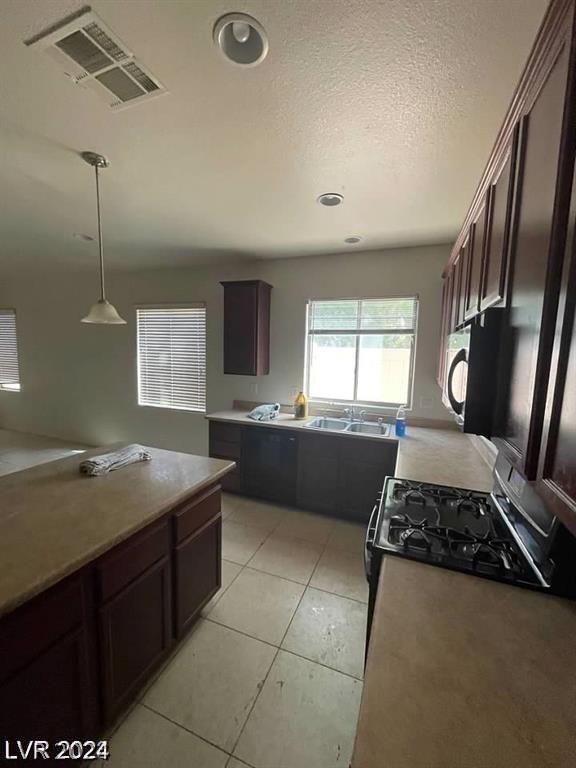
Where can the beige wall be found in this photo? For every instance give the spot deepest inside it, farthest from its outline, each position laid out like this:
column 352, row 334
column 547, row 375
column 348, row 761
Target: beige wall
column 79, row 381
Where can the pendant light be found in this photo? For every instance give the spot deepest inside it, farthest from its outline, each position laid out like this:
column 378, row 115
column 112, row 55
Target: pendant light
column 102, row 311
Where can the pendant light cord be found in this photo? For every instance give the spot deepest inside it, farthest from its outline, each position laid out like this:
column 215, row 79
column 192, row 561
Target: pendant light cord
column 102, row 291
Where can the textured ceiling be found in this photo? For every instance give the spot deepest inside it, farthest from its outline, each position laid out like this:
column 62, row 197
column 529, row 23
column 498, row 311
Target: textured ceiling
column 393, row 103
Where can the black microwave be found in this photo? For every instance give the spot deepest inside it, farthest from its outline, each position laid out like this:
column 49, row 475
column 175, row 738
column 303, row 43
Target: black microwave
column 471, row 380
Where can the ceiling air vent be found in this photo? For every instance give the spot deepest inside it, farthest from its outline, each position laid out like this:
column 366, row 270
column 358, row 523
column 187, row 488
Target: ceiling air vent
column 94, row 57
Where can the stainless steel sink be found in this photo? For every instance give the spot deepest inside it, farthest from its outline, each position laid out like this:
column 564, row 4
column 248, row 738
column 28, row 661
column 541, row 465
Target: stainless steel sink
column 342, row 425
column 364, row 428
column 325, row 422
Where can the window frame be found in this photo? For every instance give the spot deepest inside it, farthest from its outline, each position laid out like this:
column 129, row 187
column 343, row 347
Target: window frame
column 167, row 307
column 17, row 387
column 358, row 332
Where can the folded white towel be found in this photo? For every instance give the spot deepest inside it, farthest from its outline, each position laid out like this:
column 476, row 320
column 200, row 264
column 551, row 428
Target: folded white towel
column 108, row 462
column 265, row 412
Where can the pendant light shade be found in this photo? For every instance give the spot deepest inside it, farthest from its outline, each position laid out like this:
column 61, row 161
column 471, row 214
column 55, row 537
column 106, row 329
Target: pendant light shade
column 102, row 312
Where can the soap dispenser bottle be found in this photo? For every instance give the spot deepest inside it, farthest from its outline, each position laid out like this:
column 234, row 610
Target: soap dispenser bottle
column 401, row 421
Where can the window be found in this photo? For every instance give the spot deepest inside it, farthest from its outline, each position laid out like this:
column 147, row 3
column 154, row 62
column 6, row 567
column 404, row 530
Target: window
column 172, row 357
column 9, row 369
column 361, row 350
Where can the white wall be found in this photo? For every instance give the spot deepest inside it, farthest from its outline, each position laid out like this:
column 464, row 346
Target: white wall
column 79, row 381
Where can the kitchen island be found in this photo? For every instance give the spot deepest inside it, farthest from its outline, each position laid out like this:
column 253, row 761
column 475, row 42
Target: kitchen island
column 100, row 577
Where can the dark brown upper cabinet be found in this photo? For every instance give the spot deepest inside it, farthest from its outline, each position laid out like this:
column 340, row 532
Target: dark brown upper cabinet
column 500, row 198
column 247, row 327
column 460, row 283
column 546, row 162
column 556, row 477
column 475, row 263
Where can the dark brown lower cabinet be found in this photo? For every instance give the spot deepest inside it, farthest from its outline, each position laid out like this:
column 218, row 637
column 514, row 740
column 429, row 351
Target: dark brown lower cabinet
column 197, row 573
column 48, row 681
column 342, row 475
column 363, row 467
column 330, row 473
column 73, row 658
column 318, row 473
column 136, row 635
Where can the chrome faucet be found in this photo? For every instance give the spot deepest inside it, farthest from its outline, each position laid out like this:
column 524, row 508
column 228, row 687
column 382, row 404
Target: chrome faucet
column 352, row 414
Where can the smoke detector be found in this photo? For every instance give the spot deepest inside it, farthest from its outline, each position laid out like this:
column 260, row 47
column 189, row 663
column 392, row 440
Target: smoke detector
column 92, row 56
column 331, row 199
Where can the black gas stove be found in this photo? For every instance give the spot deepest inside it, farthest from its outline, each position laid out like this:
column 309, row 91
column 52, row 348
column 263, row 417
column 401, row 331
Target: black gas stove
column 452, row 527
column 507, row 535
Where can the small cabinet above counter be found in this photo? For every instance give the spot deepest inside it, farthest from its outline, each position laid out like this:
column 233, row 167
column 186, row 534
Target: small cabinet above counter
column 247, row 327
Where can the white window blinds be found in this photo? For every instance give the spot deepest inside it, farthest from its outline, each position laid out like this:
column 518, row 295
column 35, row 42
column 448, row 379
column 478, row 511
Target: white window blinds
column 172, row 357
column 9, row 370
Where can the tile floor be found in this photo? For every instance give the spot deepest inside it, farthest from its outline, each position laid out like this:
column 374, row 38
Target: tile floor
column 271, row 675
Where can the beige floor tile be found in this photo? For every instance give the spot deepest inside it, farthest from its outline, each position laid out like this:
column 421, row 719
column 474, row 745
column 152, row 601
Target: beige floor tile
column 240, row 542
column 147, row 740
column 229, row 573
column 291, row 558
column 305, row 716
column 329, row 629
column 230, row 503
column 234, row 763
column 303, row 525
column 348, row 537
column 259, row 605
column 258, row 513
column 212, row 683
column 341, row 573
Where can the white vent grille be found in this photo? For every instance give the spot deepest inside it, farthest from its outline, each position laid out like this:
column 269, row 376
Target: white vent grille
column 172, row 357
column 95, row 58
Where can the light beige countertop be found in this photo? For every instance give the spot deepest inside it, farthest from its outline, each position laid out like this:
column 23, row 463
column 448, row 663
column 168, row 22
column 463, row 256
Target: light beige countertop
column 53, row 520
column 21, row 450
column 464, row 672
column 443, row 456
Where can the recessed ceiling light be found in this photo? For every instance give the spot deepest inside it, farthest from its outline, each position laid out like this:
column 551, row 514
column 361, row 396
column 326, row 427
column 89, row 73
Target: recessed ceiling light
column 82, row 236
column 353, row 239
column 330, row 199
column 241, row 39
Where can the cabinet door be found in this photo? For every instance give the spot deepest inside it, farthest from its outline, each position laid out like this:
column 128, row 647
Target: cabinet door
column 247, row 327
column 48, row 667
column 318, row 473
column 475, row 263
column 460, row 284
column 444, row 330
column 197, row 573
column 135, row 634
column 364, row 465
column 537, row 248
column 556, row 481
column 456, row 287
column 498, row 231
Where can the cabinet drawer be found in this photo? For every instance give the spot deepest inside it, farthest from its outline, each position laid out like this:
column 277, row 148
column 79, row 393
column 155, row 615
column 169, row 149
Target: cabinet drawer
column 226, row 433
column 225, row 450
column 127, row 561
column 195, row 513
